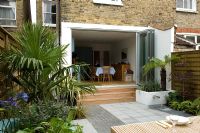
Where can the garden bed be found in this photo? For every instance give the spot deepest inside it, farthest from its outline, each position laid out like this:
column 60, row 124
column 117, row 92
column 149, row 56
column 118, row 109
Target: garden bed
column 151, row 98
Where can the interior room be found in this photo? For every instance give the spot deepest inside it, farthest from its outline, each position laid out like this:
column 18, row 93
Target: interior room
column 106, row 48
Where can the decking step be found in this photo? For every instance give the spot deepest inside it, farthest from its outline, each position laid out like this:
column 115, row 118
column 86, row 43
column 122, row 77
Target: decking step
column 109, row 95
column 106, row 90
column 107, row 101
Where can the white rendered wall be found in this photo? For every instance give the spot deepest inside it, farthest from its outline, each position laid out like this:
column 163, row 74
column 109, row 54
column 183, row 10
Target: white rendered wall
column 116, row 50
column 33, row 10
column 164, row 41
column 66, row 39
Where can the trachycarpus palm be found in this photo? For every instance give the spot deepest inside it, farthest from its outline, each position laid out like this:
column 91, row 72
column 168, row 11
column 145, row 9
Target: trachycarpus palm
column 37, row 59
column 158, row 63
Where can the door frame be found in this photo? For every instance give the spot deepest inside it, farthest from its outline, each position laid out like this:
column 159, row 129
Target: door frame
column 151, row 53
column 66, row 34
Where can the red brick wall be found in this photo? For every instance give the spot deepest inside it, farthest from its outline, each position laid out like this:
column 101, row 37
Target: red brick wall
column 188, row 30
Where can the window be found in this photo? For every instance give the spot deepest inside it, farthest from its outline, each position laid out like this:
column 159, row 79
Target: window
column 108, row 2
column 7, row 12
column 49, row 12
column 186, row 5
column 193, row 38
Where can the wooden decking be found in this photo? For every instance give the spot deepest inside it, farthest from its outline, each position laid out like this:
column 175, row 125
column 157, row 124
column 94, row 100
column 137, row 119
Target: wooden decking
column 111, row 92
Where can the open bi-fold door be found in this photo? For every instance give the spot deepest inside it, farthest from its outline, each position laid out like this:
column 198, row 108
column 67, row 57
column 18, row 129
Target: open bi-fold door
column 144, row 52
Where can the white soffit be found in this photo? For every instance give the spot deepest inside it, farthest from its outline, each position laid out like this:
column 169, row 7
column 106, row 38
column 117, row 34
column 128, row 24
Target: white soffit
column 103, row 27
column 108, row 2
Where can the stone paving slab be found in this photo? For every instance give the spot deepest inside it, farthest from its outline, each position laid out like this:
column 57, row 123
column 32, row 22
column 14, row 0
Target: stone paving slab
column 87, row 126
column 134, row 112
column 101, row 119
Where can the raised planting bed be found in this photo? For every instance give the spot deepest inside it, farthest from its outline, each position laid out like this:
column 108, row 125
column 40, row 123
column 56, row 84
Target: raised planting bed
column 151, row 98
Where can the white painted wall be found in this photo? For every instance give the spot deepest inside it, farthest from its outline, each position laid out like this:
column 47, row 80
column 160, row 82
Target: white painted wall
column 33, row 10
column 66, row 39
column 129, row 43
column 94, row 46
column 164, row 41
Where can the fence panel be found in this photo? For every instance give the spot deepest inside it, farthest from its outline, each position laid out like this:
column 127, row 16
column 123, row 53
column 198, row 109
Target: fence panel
column 186, row 74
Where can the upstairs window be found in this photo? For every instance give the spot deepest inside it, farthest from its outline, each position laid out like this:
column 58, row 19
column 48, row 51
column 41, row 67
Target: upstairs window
column 49, row 12
column 7, row 12
column 186, row 5
column 108, row 2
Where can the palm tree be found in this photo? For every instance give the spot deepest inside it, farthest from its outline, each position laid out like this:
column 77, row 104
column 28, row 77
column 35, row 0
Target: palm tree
column 37, row 60
column 158, row 63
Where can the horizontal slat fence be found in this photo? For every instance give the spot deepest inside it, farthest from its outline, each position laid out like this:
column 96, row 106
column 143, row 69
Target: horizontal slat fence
column 186, row 74
column 7, row 42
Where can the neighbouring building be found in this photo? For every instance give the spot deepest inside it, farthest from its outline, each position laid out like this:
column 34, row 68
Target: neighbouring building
column 106, row 29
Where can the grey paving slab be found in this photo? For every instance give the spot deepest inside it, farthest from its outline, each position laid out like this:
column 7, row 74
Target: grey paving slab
column 101, row 119
column 87, row 126
column 134, row 112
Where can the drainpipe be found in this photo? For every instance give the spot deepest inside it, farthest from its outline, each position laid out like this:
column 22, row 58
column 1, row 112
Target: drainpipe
column 58, row 24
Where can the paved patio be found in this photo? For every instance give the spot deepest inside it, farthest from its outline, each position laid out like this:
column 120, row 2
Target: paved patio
column 101, row 117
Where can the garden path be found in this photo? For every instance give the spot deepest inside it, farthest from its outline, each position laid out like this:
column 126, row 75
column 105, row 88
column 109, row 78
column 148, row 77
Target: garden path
column 102, row 117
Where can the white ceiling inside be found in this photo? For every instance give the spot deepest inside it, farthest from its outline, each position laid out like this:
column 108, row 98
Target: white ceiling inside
column 100, row 36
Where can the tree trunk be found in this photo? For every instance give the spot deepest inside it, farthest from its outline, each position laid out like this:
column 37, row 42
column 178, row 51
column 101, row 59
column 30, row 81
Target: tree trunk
column 163, row 79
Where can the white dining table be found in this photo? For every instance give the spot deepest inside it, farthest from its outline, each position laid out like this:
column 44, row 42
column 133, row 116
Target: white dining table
column 99, row 71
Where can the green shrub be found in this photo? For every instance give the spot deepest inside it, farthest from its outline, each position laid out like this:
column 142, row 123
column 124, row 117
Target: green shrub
column 191, row 107
column 55, row 125
column 174, row 96
column 185, row 105
column 150, row 86
column 33, row 114
column 195, row 107
column 175, row 105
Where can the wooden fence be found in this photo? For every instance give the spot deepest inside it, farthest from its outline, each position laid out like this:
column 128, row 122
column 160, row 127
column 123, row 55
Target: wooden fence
column 186, row 74
column 7, row 42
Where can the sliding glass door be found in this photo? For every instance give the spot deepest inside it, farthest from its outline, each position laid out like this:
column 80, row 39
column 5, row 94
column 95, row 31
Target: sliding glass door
column 144, row 52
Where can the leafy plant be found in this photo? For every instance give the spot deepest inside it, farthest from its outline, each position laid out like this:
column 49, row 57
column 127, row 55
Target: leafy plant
column 150, row 86
column 158, row 63
column 31, row 115
column 195, row 107
column 175, row 105
column 37, row 60
column 72, row 90
column 185, row 105
column 174, row 96
column 56, row 125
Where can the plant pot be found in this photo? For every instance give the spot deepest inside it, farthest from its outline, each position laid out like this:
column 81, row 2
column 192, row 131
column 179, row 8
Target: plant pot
column 151, row 98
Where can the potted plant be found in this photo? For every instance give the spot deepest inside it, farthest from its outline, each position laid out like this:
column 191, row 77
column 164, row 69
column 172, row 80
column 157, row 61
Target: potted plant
column 158, row 63
column 150, row 93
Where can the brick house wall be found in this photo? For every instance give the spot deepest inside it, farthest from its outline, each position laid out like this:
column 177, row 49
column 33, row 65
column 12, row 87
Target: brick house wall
column 19, row 16
column 188, row 22
column 132, row 13
column 159, row 14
